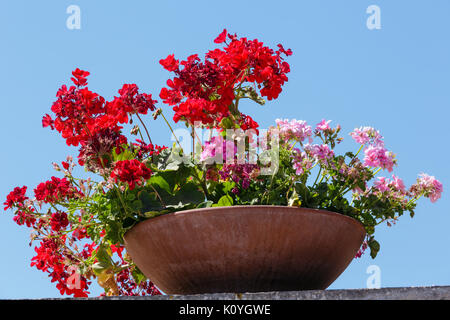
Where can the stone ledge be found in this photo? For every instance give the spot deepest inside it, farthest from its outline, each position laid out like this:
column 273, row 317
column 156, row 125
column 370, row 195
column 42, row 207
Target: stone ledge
column 401, row 293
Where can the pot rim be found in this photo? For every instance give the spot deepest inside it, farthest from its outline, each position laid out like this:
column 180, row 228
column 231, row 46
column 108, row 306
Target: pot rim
column 199, row 210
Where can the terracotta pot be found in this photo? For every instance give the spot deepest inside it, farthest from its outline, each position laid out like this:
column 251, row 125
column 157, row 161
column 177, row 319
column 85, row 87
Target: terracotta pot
column 244, row 249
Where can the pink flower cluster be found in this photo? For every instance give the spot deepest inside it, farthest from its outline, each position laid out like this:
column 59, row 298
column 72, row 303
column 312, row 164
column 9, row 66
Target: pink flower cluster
column 323, row 125
column 426, row 185
column 217, row 149
column 384, row 184
column 361, row 250
column 376, row 155
column 320, row 152
column 386, row 188
column 301, row 162
column 240, row 174
column 297, row 130
column 367, row 135
column 379, row 157
column 429, row 186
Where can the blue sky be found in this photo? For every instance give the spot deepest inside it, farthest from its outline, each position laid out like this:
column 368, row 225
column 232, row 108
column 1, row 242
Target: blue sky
column 396, row 79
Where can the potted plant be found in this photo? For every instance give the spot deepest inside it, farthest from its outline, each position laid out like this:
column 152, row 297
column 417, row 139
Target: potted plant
column 246, row 210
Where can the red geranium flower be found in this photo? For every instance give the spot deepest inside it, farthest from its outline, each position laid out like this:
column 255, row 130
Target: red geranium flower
column 133, row 172
column 15, row 198
column 47, row 121
column 54, row 190
column 169, row 63
column 221, row 37
column 79, row 77
column 203, row 91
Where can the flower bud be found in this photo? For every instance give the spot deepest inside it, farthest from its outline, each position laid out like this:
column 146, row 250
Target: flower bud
column 135, row 130
column 156, row 113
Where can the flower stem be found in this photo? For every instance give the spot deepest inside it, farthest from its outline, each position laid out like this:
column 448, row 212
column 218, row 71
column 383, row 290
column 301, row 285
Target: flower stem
column 140, row 133
column 293, row 146
column 121, row 200
column 359, row 150
column 414, row 199
column 171, row 129
column 202, row 183
column 193, row 142
column 157, row 194
column 379, row 169
column 148, row 135
column 320, row 171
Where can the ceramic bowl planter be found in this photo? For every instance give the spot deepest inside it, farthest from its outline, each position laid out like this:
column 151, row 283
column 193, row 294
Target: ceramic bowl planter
column 244, row 249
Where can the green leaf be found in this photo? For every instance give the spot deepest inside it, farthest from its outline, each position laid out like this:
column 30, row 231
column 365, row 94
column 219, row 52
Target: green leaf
column 138, row 276
column 130, row 196
column 161, row 159
column 152, row 214
column 228, row 186
column 99, row 267
column 128, row 222
column 227, row 123
column 188, row 193
column 113, row 231
column 225, row 201
column 206, row 204
column 103, row 256
column 374, row 247
column 149, row 201
column 160, row 182
column 126, row 154
column 137, row 205
column 172, row 159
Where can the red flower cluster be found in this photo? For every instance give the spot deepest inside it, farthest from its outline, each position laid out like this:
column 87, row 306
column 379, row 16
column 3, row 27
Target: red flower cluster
column 88, row 249
column 95, row 151
column 203, row 85
column 59, row 221
column 132, row 102
column 86, row 118
column 147, row 150
column 15, row 198
column 169, row 63
column 55, row 190
column 251, row 61
column 49, row 258
column 127, row 286
column 80, row 77
column 247, row 123
column 132, row 172
column 78, row 112
column 203, row 91
column 25, row 217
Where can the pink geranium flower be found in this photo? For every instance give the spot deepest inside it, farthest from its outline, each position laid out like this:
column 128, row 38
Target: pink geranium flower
column 367, row 135
column 430, row 186
column 379, row 157
column 323, row 125
column 297, row 130
column 320, row 152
